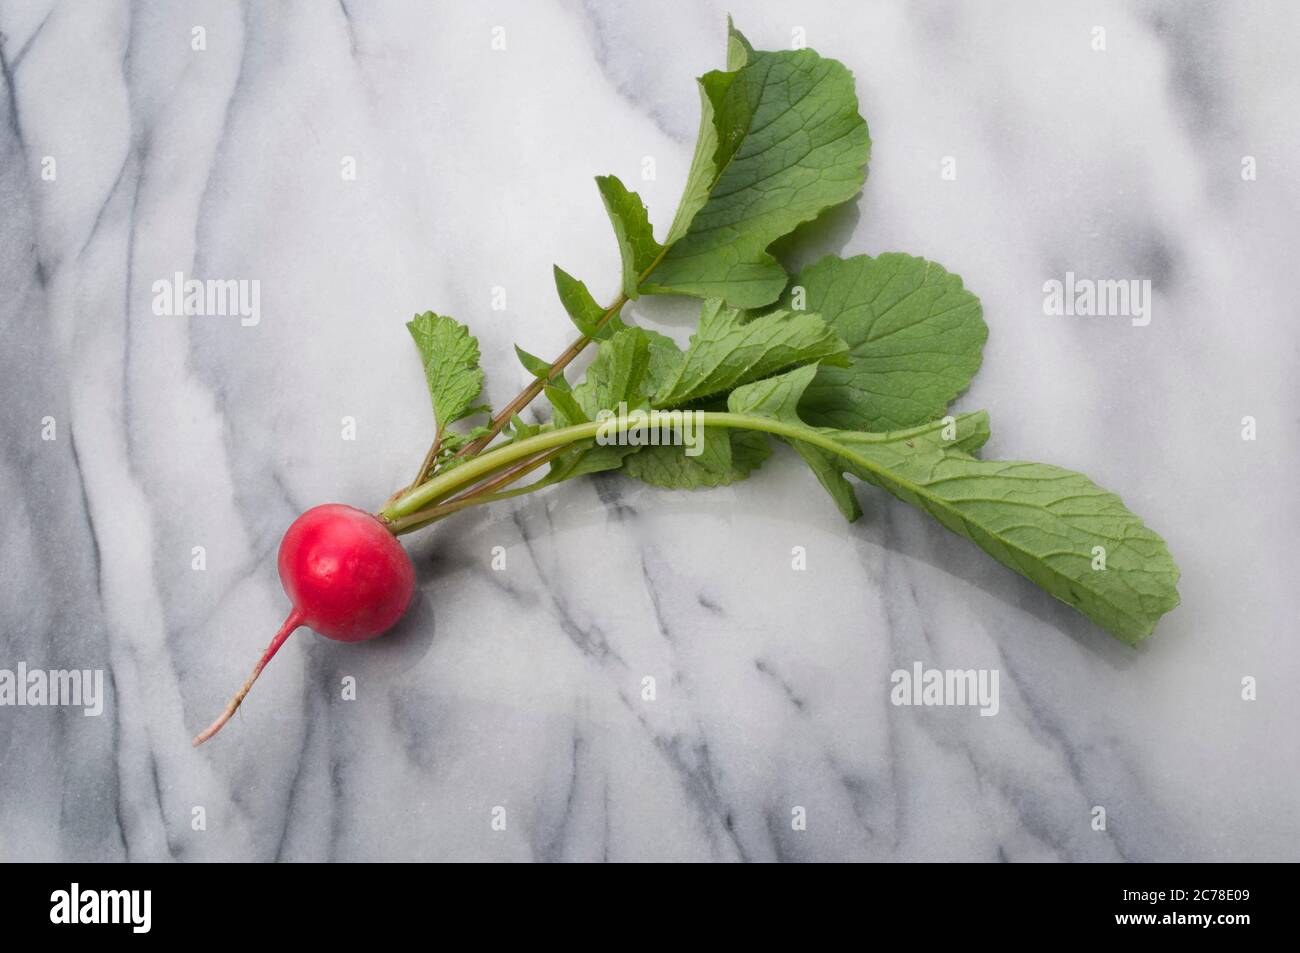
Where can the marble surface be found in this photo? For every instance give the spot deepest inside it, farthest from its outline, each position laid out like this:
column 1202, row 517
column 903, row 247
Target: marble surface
column 522, row 688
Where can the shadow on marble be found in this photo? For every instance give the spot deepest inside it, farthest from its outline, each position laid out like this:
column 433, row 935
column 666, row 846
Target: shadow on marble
column 569, row 510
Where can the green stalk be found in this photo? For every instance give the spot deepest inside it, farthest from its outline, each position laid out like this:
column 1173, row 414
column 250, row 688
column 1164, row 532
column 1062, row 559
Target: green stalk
column 484, row 464
column 485, row 492
column 493, row 460
column 427, row 517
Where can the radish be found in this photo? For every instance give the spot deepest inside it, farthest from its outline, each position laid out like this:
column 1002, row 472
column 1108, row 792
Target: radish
column 810, row 359
column 348, row 579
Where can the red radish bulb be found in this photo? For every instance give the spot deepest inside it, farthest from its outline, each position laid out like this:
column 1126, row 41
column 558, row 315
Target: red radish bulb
column 348, row 579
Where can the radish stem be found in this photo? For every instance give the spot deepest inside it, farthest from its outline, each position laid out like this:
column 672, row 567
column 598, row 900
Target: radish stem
column 483, row 493
column 429, row 457
column 446, row 483
column 475, row 467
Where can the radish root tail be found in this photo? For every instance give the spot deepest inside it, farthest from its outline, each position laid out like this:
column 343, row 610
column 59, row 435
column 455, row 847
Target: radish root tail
column 295, row 619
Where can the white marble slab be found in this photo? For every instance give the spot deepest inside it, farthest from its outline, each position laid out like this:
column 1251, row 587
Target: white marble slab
column 523, row 689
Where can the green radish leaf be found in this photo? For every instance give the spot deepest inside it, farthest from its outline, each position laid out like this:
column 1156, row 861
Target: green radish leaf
column 617, row 375
column 1055, row 527
column 453, row 440
column 451, row 358
column 540, row 369
column 725, row 458
column 778, row 398
column 587, row 458
column 567, row 409
column 738, row 48
column 1048, row 524
column 636, row 241
column 582, row 307
column 518, row 430
column 533, row 364
column 915, row 336
column 730, row 349
column 665, row 358
column 780, row 142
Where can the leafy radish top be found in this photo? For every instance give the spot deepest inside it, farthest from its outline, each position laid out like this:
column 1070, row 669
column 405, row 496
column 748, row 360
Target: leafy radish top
column 852, row 361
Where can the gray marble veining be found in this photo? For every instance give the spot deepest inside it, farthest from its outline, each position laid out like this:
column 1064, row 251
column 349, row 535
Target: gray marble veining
column 523, row 689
